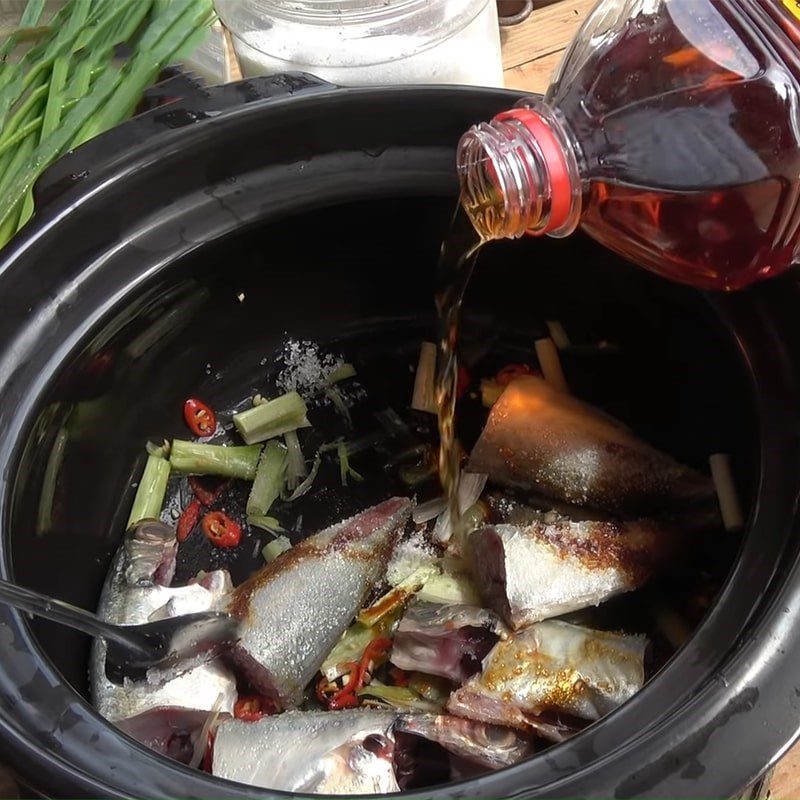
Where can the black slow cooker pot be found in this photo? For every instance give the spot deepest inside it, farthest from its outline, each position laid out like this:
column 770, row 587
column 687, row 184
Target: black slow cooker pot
column 169, row 257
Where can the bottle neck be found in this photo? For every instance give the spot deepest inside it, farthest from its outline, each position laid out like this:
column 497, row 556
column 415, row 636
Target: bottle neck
column 519, row 174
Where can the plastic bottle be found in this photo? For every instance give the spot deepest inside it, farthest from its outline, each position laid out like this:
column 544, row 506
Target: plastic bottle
column 670, row 133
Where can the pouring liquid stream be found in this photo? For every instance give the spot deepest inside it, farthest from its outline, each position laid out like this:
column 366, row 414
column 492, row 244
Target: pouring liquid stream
column 457, row 258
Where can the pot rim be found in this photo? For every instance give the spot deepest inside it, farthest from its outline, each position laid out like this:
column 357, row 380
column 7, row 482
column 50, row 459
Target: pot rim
column 683, row 730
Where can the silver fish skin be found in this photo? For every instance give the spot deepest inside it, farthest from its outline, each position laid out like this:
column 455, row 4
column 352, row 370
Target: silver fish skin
column 527, row 574
column 543, row 440
column 490, row 746
column 549, row 668
column 324, row 752
column 450, row 641
column 132, row 596
column 295, row 609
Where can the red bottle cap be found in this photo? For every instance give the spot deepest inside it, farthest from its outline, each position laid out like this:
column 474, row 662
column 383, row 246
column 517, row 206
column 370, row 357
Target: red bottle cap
column 553, row 153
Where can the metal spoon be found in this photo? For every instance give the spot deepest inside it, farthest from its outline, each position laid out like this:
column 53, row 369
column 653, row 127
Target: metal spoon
column 132, row 650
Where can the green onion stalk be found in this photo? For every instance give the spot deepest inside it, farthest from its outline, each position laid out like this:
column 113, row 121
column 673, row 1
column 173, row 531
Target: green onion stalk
column 195, row 458
column 268, row 481
column 273, row 418
column 67, row 88
column 150, row 493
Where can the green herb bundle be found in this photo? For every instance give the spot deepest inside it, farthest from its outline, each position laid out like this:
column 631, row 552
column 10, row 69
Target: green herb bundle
column 71, row 84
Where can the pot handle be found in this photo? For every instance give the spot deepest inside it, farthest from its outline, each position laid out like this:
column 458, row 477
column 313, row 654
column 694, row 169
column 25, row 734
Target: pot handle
column 173, row 103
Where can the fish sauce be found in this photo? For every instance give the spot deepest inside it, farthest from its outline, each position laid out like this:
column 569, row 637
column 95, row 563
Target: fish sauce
column 456, row 261
column 670, row 134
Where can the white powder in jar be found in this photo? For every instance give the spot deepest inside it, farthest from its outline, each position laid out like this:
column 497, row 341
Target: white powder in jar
column 470, row 55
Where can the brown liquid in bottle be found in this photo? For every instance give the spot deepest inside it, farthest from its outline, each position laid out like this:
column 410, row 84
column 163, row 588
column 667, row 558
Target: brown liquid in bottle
column 456, row 261
column 671, row 134
column 689, row 132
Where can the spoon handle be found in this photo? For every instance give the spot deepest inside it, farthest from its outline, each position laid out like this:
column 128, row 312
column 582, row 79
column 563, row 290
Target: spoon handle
column 64, row 613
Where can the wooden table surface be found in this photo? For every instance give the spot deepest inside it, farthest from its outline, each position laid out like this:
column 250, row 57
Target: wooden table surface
column 531, row 52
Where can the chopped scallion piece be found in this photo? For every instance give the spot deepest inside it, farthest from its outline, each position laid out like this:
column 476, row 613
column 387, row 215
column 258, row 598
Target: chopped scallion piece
column 161, row 450
column 432, row 687
column 273, row 418
column 306, row 484
column 268, row 480
column 397, row 597
column 345, row 470
column 449, row 588
column 490, row 392
column 340, row 404
column 341, row 373
column 275, row 548
column 424, row 398
column 352, row 644
column 550, row 364
column 150, row 493
column 269, row 524
column 729, row 505
column 558, row 334
column 196, row 458
column 296, row 468
column 399, row 697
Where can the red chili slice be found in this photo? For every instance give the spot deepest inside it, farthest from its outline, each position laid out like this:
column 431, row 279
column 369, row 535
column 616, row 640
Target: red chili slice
column 359, row 675
column 251, row 707
column 199, row 417
column 399, row 676
column 189, row 518
column 462, row 382
column 206, row 496
column 101, row 362
column 208, row 756
column 511, row 371
column 221, row 530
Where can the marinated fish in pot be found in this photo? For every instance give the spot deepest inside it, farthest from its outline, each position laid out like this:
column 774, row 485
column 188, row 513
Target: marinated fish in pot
column 458, row 668
column 325, row 752
column 136, row 592
column 296, row 608
column 545, row 570
column 490, row 746
column 446, row 640
column 540, row 439
column 552, row 668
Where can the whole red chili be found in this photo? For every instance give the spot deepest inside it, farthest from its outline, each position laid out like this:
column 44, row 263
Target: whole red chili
column 221, row 530
column 511, row 371
column 188, row 519
column 199, row 417
column 251, row 707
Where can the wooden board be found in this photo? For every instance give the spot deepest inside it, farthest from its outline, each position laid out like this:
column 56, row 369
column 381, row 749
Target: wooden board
column 531, row 53
column 532, row 50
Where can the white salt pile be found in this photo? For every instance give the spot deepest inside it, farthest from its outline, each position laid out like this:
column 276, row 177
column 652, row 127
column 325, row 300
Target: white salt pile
column 409, row 555
column 305, row 370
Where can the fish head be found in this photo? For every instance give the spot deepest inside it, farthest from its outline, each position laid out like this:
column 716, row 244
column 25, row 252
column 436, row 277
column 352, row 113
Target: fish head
column 149, row 553
column 169, row 730
column 491, row 746
column 325, row 752
column 360, row 766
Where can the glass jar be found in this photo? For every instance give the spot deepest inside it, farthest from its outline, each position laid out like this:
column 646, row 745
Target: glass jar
column 352, row 42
